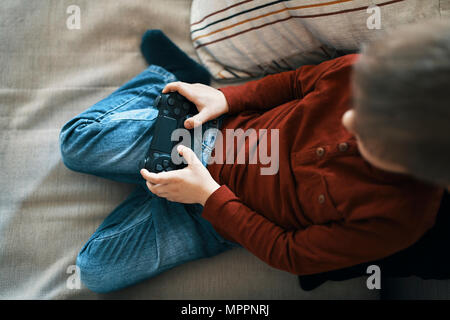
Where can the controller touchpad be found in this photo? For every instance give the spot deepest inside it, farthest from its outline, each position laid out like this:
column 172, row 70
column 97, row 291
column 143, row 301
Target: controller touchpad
column 163, row 132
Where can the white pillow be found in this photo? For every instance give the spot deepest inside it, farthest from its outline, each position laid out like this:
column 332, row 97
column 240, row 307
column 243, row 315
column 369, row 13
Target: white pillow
column 238, row 39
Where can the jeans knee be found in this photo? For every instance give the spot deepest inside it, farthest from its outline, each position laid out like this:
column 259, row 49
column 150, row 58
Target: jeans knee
column 97, row 276
column 111, row 262
column 67, row 156
column 91, row 275
column 72, row 141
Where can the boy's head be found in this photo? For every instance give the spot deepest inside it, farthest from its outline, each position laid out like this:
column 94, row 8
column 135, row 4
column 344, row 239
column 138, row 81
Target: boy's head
column 401, row 90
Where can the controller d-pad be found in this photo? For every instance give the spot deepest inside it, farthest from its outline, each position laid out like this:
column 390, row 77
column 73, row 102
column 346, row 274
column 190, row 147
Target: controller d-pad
column 165, row 163
column 159, row 168
column 171, row 101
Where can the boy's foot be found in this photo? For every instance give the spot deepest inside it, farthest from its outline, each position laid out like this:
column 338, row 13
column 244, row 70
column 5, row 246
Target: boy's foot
column 159, row 50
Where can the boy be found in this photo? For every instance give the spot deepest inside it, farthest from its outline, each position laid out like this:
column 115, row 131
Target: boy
column 334, row 202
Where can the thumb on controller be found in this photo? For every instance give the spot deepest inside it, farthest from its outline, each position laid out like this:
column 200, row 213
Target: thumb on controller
column 196, row 120
column 189, row 155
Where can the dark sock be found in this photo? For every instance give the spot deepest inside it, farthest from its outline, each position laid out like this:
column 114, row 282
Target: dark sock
column 159, row 50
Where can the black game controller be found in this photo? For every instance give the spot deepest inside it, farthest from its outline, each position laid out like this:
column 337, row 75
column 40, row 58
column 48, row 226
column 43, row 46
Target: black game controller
column 174, row 109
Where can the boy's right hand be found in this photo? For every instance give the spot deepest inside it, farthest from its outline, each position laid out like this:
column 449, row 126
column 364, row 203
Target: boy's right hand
column 211, row 103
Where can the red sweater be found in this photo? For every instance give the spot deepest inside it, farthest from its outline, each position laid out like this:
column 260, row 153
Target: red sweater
column 326, row 208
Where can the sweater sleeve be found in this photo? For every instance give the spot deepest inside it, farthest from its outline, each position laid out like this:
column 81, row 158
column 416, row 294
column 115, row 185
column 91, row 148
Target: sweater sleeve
column 277, row 89
column 263, row 94
column 318, row 248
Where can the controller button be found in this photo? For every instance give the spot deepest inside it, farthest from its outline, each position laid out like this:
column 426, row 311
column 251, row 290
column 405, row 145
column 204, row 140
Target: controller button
column 170, row 101
column 165, row 112
column 155, row 154
column 169, row 169
column 159, row 168
column 177, row 111
column 165, row 163
column 186, row 106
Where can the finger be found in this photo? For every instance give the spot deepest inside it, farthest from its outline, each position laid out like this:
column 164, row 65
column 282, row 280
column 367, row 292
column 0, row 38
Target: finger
column 171, row 87
column 147, row 175
column 150, row 186
column 149, row 183
column 188, row 154
column 158, row 189
column 158, row 178
column 197, row 120
column 163, row 191
column 183, row 88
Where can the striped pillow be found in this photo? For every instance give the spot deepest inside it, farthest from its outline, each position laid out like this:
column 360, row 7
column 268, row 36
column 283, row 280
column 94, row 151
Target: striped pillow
column 238, row 39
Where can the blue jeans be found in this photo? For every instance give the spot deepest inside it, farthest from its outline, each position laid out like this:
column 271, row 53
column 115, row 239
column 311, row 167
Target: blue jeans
column 145, row 235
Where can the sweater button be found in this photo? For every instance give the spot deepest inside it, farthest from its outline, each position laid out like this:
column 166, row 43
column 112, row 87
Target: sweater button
column 321, row 199
column 320, row 152
column 343, row 146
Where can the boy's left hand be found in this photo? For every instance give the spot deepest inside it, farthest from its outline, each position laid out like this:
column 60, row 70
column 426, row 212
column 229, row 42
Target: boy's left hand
column 192, row 184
